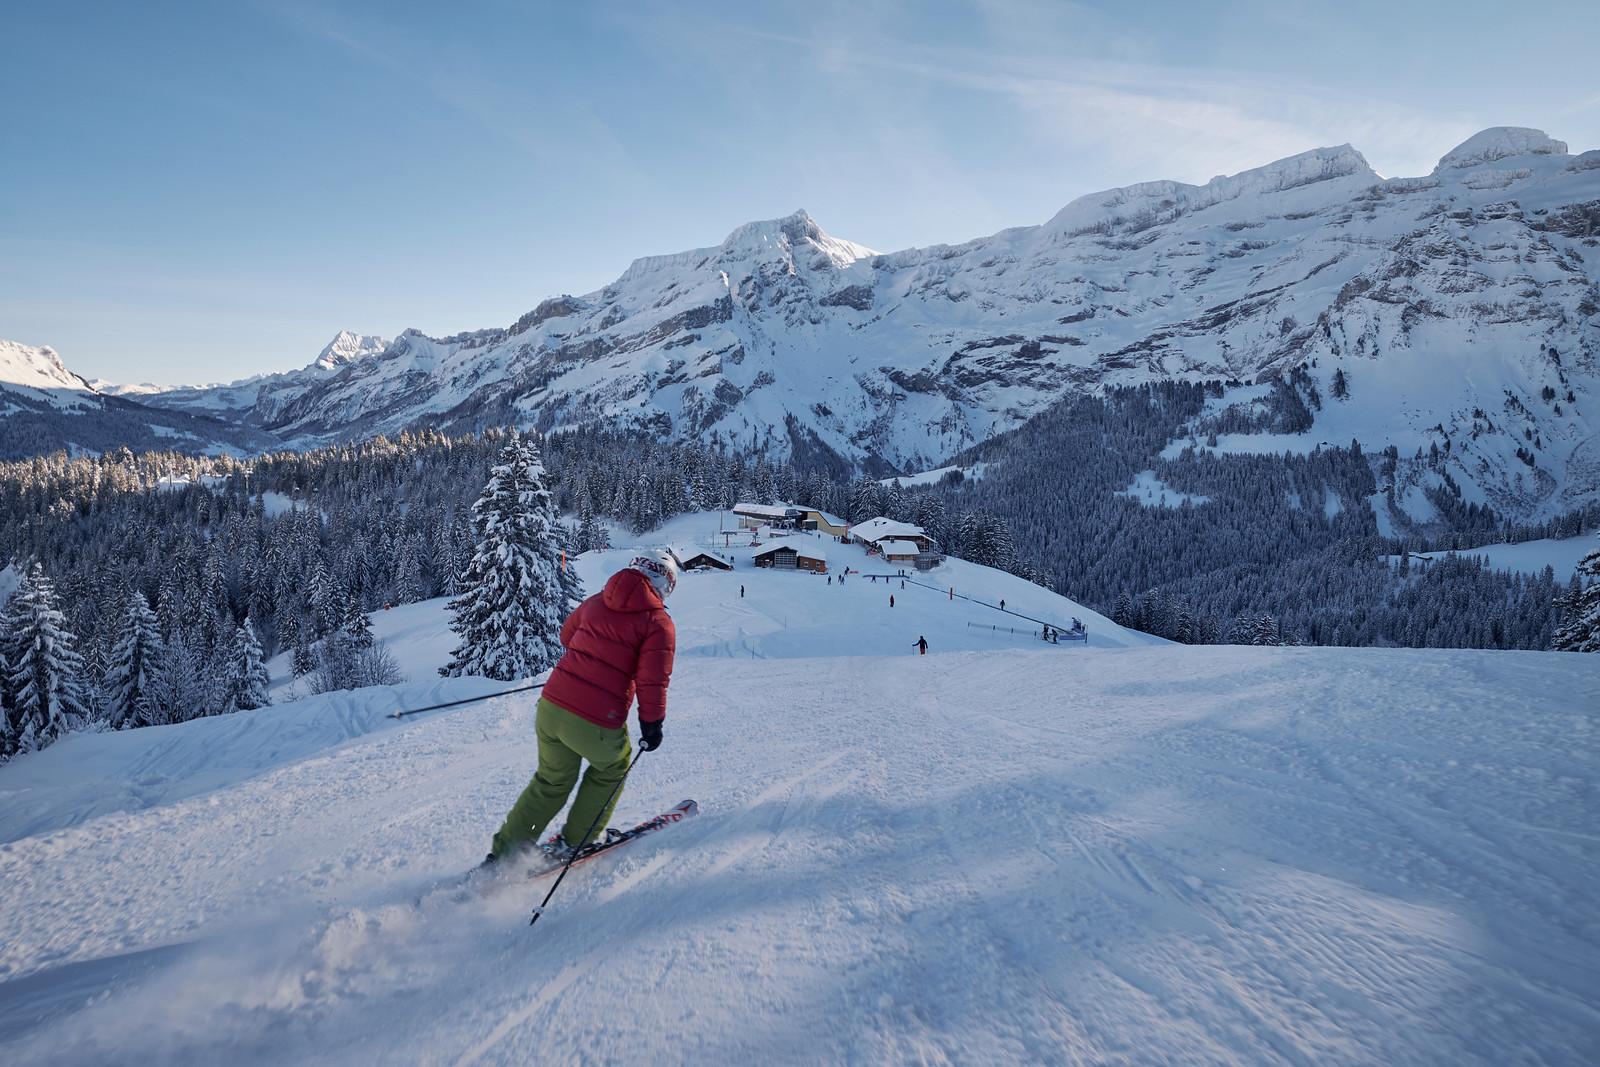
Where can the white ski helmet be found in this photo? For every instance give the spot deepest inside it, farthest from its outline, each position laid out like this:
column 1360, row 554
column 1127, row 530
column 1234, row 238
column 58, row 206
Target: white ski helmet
column 660, row 568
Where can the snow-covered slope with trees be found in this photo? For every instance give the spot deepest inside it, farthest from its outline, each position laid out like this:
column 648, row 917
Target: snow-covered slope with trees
column 1027, row 853
column 1460, row 311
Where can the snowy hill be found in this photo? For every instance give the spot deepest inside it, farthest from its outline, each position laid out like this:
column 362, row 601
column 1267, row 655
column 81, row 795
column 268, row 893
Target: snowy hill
column 44, row 406
column 40, row 375
column 1462, row 308
column 1146, row 853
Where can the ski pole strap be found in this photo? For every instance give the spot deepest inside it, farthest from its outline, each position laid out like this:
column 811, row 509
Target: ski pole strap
column 573, row 858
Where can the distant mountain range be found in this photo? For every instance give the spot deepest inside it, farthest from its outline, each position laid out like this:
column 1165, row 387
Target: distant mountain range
column 1460, row 312
column 44, row 407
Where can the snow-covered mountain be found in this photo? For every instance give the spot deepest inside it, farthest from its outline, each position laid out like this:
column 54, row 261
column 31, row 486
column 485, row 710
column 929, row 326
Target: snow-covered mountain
column 37, row 375
column 44, row 407
column 260, row 399
column 1461, row 307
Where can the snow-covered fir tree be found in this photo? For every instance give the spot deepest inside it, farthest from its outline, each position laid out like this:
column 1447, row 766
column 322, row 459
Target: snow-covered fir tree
column 1580, row 624
column 508, row 616
column 357, row 627
column 135, row 661
column 177, row 691
column 246, row 686
column 45, row 669
column 8, row 736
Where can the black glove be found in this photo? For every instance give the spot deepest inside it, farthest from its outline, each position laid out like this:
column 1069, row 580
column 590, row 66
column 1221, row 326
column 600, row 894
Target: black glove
column 649, row 735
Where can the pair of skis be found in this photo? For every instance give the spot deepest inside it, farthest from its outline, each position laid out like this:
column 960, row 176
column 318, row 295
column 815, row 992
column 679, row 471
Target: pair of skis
column 617, row 838
column 613, row 839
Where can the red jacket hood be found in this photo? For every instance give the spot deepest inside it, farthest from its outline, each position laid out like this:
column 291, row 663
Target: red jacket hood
column 628, row 590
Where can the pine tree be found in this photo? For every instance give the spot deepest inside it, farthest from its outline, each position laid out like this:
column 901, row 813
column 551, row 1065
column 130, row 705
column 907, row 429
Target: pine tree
column 135, row 660
column 177, row 691
column 509, row 613
column 357, row 626
column 865, row 500
column 8, row 735
column 246, row 686
column 567, row 571
column 328, row 607
column 1122, row 614
column 46, row 671
column 409, row 585
column 1264, row 631
column 1580, row 621
column 303, row 659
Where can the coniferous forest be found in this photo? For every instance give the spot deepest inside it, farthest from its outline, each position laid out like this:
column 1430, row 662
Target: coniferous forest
column 153, row 586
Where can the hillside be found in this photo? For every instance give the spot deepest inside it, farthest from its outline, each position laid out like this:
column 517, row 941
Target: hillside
column 1458, row 309
column 45, row 407
column 1007, row 852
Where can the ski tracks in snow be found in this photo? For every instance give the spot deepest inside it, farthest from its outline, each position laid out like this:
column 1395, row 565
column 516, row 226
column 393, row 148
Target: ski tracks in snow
column 1214, row 855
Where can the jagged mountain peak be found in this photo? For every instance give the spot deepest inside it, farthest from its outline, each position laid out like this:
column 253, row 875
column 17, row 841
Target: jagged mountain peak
column 1500, row 142
column 794, row 234
column 792, row 240
column 347, row 347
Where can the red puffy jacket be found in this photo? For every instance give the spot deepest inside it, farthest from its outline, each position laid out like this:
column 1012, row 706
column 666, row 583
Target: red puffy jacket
column 618, row 639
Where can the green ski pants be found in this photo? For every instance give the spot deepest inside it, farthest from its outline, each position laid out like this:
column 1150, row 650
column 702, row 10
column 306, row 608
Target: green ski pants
column 565, row 741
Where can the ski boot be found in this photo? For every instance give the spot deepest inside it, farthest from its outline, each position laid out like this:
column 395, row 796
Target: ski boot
column 556, row 850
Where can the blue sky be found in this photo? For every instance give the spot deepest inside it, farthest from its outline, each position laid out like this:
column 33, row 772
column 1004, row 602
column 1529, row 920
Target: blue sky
column 196, row 192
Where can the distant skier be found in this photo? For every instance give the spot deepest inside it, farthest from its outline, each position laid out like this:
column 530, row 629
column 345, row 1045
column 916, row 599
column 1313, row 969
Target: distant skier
column 830, row 579
column 902, row 583
column 618, row 642
column 891, row 600
column 741, row 592
column 1002, row 605
column 921, row 646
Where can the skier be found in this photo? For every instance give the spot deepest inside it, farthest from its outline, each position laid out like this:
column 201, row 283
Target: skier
column 741, row 592
column 891, row 600
column 619, row 641
column 921, row 646
column 830, row 579
column 1002, row 605
column 902, row 583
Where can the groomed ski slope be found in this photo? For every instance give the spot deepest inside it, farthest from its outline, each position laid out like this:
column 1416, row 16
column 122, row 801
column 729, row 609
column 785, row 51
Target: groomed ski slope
column 1150, row 853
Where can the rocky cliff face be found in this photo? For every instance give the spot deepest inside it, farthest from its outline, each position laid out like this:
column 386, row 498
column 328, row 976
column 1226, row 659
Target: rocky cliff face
column 1459, row 308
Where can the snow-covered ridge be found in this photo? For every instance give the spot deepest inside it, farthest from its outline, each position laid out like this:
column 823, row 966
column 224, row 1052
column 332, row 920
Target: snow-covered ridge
column 1501, row 142
column 1464, row 305
column 40, row 371
column 1307, row 168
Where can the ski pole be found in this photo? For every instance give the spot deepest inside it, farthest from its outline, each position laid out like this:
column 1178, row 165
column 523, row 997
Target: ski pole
column 572, row 858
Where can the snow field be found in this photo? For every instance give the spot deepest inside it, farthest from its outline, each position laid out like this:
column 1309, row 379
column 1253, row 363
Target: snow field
column 1193, row 855
column 1562, row 554
column 1054, row 854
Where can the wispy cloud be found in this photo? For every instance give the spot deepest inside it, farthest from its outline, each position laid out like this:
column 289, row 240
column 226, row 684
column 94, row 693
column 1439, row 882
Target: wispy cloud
column 498, row 106
column 1155, row 120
